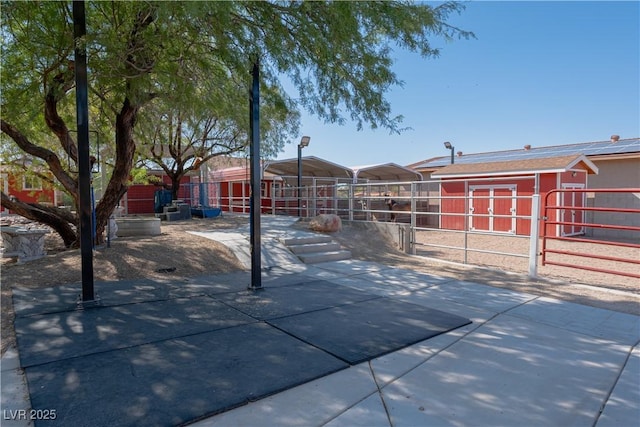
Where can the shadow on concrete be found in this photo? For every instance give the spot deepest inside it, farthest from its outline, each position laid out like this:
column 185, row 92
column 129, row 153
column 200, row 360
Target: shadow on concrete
column 161, row 353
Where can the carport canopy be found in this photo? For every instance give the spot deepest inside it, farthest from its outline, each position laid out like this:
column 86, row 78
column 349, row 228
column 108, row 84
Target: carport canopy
column 386, row 172
column 311, row 167
column 315, row 167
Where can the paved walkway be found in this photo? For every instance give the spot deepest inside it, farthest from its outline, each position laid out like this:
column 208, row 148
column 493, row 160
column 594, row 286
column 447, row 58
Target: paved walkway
column 525, row 360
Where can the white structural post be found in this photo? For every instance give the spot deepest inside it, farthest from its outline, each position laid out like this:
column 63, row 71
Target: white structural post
column 414, row 222
column 533, row 237
column 351, row 204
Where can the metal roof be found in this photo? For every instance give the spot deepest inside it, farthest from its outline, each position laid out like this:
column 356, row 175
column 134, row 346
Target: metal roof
column 623, row 146
column 386, row 172
column 320, row 168
column 311, row 166
column 518, row 167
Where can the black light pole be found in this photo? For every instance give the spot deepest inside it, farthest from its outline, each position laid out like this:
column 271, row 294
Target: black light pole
column 84, row 164
column 254, row 167
column 448, row 146
column 304, row 142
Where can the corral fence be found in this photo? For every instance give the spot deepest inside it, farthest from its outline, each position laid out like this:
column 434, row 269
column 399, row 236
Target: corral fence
column 498, row 222
column 574, row 219
column 452, row 220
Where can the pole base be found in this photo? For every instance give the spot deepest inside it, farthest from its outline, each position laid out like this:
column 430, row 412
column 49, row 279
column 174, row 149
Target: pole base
column 83, row 305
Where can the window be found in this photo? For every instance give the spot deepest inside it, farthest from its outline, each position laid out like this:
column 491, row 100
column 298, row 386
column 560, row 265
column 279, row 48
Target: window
column 31, row 183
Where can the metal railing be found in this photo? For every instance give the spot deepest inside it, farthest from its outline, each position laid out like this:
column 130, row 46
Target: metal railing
column 559, row 218
column 492, row 221
column 433, row 217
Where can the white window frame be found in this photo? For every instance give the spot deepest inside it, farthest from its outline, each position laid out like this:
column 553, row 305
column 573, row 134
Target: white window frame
column 27, row 188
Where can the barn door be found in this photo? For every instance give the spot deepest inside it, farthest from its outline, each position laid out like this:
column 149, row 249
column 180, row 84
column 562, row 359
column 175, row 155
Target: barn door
column 492, row 208
column 504, row 209
column 479, row 208
column 572, row 199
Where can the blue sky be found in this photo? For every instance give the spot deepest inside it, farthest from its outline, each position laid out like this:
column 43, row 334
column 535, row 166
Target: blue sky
column 539, row 73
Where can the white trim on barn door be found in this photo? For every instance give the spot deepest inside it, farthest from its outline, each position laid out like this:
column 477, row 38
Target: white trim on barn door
column 490, row 209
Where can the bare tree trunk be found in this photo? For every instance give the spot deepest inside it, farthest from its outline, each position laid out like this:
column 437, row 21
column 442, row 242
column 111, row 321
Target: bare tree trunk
column 125, row 151
column 139, row 62
column 61, row 221
column 175, row 186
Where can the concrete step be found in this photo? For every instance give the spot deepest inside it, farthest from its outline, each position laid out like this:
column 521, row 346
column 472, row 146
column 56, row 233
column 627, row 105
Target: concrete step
column 306, row 240
column 314, row 247
column 316, row 257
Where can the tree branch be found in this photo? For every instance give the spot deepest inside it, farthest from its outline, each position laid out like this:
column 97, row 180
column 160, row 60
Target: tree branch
column 61, row 84
column 58, row 219
column 48, row 156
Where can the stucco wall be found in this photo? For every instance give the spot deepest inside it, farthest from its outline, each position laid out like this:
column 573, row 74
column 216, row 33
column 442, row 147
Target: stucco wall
column 623, row 173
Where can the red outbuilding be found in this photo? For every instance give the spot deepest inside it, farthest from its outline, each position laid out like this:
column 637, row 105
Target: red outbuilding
column 29, row 189
column 496, row 196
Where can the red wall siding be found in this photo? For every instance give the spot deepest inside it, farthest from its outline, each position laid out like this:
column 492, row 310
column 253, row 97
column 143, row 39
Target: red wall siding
column 140, row 197
column 524, row 187
column 548, row 182
column 232, row 199
column 551, row 182
column 523, row 206
column 45, row 195
column 456, row 206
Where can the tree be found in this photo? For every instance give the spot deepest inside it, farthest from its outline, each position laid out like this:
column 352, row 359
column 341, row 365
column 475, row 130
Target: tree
column 36, row 105
column 338, row 56
column 179, row 140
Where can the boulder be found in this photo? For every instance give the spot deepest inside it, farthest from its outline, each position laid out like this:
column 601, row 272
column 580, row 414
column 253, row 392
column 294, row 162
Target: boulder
column 326, row 223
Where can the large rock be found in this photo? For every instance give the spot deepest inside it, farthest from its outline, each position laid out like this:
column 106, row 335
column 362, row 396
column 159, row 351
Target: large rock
column 326, row 222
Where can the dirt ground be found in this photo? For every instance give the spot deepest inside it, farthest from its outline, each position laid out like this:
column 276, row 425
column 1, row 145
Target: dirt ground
column 187, row 255
column 431, row 244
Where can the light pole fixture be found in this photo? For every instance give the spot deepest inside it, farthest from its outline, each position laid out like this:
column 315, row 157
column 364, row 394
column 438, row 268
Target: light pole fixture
column 448, row 146
column 88, row 296
column 254, row 170
column 304, row 142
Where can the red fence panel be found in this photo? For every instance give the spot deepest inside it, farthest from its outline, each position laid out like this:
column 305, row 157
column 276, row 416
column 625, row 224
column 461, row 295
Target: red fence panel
column 592, row 248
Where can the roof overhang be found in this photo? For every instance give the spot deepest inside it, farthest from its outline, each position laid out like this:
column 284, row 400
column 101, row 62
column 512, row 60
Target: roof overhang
column 311, row 167
column 518, row 167
column 386, row 172
column 622, row 156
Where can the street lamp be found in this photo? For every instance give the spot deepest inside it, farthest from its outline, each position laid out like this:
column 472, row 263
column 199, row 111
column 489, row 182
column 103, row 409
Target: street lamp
column 304, row 142
column 448, row 146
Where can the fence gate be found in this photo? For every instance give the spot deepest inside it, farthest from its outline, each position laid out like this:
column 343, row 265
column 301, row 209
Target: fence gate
column 562, row 220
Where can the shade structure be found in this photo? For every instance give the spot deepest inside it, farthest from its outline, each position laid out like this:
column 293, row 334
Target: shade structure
column 312, row 167
column 385, row 172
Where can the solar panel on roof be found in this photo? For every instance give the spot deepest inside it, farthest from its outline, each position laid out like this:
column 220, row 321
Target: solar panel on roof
column 588, row 149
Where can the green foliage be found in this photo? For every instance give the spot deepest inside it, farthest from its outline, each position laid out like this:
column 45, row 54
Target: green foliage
column 140, row 176
column 194, row 59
